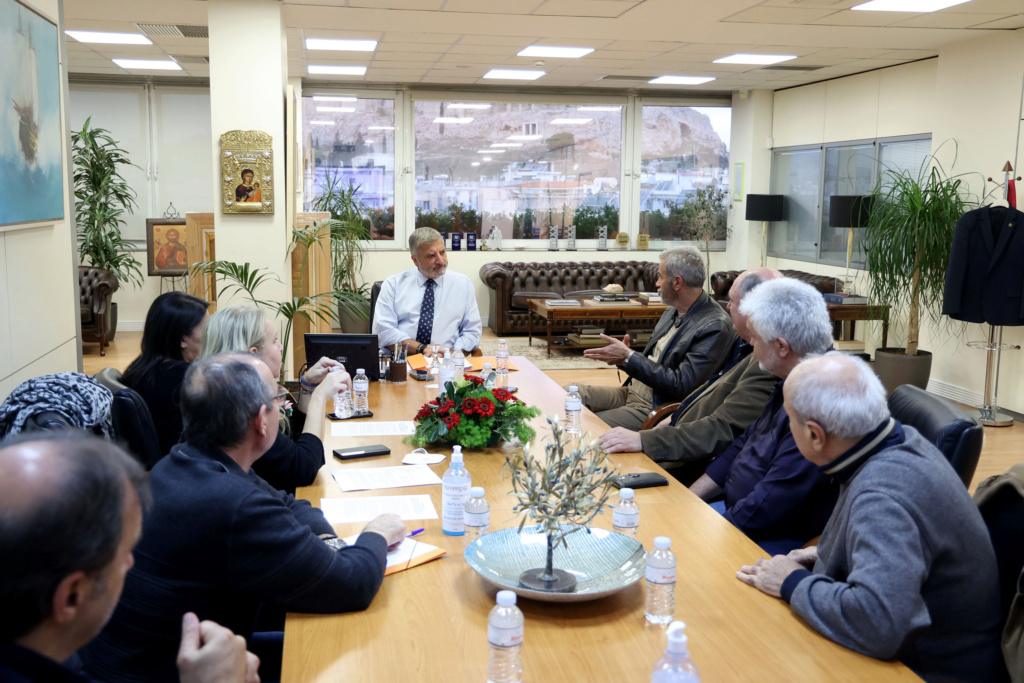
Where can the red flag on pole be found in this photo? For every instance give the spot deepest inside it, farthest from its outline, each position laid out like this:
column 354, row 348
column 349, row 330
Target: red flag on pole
column 1011, row 193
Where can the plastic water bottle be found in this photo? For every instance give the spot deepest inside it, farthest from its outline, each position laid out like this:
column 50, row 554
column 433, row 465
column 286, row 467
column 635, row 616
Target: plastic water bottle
column 573, row 411
column 488, row 376
column 361, row 391
column 342, row 401
column 445, row 373
column 505, row 635
column 455, row 486
column 501, row 357
column 458, row 364
column 661, row 583
column 675, row 666
column 626, row 514
column 478, row 514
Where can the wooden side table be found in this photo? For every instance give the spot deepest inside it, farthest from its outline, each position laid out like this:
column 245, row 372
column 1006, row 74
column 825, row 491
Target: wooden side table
column 854, row 312
column 549, row 314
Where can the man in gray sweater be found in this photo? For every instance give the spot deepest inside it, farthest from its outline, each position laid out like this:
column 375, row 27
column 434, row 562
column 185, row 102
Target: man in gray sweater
column 905, row 568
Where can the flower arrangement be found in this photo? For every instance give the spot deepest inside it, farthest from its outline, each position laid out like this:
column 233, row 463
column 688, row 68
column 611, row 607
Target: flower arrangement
column 472, row 416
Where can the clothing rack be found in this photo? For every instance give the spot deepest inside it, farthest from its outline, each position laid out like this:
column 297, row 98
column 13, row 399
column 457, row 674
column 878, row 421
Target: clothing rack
column 988, row 414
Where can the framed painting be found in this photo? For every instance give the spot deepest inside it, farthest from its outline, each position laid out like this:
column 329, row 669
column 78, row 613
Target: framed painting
column 166, row 252
column 31, row 158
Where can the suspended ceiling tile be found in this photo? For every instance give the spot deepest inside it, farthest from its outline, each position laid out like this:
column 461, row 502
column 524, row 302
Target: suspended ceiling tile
column 948, row 20
column 907, row 54
column 493, row 6
column 427, row 48
column 987, row 7
column 1007, row 23
column 423, row 57
column 497, row 50
column 419, row 38
column 850, row 18
column 718, row 49
column 778, row 15
column 585, row 8
column 813, row 4
column 131, row 51
column 89, row 24
column 455, row 80
column 112, row 69
column 852, row 53
column 341, row 34
column 593, row 43
column 176, row 43
column 419, row 5
column 322, row 60
column 619, row 54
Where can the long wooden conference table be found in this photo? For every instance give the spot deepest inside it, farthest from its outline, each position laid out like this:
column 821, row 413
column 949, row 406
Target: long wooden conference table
column 429, row 623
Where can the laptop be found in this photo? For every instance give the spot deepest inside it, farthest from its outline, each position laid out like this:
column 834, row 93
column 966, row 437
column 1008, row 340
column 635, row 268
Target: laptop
column 354, row 351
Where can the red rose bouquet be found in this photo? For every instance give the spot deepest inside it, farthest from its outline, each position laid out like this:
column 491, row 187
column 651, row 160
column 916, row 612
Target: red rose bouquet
column 473, row 417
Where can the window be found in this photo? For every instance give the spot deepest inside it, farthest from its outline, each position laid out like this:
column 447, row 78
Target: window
column 684, row 152
column 810, row 176
column 350, row 142
column 523, row 168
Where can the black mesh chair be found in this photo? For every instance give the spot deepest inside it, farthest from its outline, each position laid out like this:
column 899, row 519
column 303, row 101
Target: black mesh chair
column 953, row 431
column 133, row 425
column 374, row 293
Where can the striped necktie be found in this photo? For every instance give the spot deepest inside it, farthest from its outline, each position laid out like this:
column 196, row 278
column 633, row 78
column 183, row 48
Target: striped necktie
column 426, row 326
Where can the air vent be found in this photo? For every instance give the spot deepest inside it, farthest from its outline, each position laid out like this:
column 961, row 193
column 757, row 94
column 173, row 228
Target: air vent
column 792, row 68
column 190, row 59
column 626, row 78
column 174, row 30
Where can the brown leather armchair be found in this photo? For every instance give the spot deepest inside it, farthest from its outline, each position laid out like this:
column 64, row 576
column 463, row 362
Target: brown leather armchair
column 512, row 284
column 721, row 282
column 96, row 288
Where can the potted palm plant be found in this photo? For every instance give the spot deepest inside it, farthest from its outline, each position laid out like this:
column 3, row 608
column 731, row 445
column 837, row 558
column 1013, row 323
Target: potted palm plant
column 908, row 239
column 349, row 228
column 102, row 198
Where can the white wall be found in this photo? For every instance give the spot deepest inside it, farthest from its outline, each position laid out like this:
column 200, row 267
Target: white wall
column 39, row 283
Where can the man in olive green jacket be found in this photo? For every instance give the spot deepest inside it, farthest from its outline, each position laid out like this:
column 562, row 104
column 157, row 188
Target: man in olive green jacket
column 714, row 414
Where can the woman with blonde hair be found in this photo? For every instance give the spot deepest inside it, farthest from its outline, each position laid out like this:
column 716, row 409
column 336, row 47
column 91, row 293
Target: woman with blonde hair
column 296, row 456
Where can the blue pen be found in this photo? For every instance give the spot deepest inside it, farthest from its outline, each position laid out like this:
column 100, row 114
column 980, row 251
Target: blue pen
column 414, row 533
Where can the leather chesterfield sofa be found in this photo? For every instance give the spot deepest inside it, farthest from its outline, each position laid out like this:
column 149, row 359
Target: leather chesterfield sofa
column 512, row 284
column 96, row 288
column 721, row 282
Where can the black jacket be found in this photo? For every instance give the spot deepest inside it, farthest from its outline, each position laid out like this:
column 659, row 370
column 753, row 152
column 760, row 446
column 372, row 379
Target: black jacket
column 985, row 276
column 698, row 347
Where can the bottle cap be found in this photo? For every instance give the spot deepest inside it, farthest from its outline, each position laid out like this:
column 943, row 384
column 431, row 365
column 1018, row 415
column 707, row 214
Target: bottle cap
column 625, row 493
column 477, row 492
column 487, row 366
column 573, row 387
column 456, row 453
column 506, row 598
column 360, row 371
column 662, row 542
column 501, row 341
column 676, row 634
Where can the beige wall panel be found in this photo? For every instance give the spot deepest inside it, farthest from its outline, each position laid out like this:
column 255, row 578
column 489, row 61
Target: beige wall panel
column 64, row 358
column 906, row 99
column 799, row 116
column 851, row 107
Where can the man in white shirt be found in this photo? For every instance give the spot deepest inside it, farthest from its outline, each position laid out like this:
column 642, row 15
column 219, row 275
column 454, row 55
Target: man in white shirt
column 426, row 304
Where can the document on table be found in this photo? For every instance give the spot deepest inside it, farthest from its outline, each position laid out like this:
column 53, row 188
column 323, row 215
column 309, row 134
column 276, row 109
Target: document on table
column 409, row 553
column 345, row 510
column 349, row 428
column 372, row 478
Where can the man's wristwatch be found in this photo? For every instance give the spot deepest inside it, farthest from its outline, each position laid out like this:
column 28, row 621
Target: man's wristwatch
column 335, row 543
column 628, row 356
column 419, row 349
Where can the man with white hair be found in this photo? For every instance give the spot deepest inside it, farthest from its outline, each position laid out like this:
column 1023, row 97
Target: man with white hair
column 771, row 493
column 691, row 341
column 905, row 568
column 426, row 304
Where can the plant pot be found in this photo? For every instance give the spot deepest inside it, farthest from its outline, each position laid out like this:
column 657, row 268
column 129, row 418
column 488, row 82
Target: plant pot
column 354, row 318
column 113, row 322
column 895, row 368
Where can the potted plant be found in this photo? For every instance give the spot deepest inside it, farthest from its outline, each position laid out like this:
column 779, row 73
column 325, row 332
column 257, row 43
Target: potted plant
column 908, row 238
column 102, row 198
column 349, row 229
column 708, row 220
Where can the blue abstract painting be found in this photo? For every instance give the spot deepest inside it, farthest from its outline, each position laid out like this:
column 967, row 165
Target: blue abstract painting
column 31, row 167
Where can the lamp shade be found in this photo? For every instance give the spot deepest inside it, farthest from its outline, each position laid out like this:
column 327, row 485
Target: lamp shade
column 764, row 207
column 849, row 210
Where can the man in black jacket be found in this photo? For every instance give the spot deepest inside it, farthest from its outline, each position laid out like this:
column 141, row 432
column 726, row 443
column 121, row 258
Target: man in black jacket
column 219, row 541
column 691, row 342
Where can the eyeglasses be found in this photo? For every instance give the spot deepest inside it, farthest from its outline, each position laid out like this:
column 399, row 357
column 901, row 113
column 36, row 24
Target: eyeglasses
column 281, row 397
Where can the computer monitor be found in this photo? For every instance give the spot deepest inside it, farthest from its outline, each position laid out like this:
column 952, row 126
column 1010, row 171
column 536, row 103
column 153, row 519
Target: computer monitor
column 353, row 350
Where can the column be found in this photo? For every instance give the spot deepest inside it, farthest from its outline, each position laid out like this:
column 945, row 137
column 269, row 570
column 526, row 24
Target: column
column 751, row 131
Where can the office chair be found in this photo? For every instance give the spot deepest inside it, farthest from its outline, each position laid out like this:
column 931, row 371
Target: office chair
column 133, row 423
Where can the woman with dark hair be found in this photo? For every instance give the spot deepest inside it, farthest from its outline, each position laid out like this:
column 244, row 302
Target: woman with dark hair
column 170, row 341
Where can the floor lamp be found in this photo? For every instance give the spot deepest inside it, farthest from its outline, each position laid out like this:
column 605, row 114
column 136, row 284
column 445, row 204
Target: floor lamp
column 849, row 211
column 764, row 208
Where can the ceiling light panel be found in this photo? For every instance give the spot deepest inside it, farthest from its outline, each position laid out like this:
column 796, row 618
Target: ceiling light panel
column 555, row 52
column 744, row 58
column 109, row 38
column 514, row 74
column 341, row 45
column 680, row 80
column 323, row 69
column 919, row 6
column 148, row 64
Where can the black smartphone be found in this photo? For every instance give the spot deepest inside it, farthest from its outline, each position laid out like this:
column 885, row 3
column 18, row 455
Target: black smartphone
column 361, row 452
column 640, row 480
column 355, row 416
column 421, row 375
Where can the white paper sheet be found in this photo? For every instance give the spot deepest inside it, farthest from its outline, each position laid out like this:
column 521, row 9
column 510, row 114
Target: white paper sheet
column 345, row 510
column 373, row 478
column 407, row 551
column 350, row 428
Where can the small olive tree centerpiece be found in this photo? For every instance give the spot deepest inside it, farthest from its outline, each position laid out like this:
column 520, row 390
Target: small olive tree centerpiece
column 561, row 492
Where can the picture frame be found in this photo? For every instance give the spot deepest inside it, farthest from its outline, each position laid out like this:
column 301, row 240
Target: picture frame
column 166, row 250
column 247, row 172
column 737, row 186
column 32, row 173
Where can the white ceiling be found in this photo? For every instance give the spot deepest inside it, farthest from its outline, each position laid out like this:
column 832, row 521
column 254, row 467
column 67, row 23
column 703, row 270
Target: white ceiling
column 454, row 42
